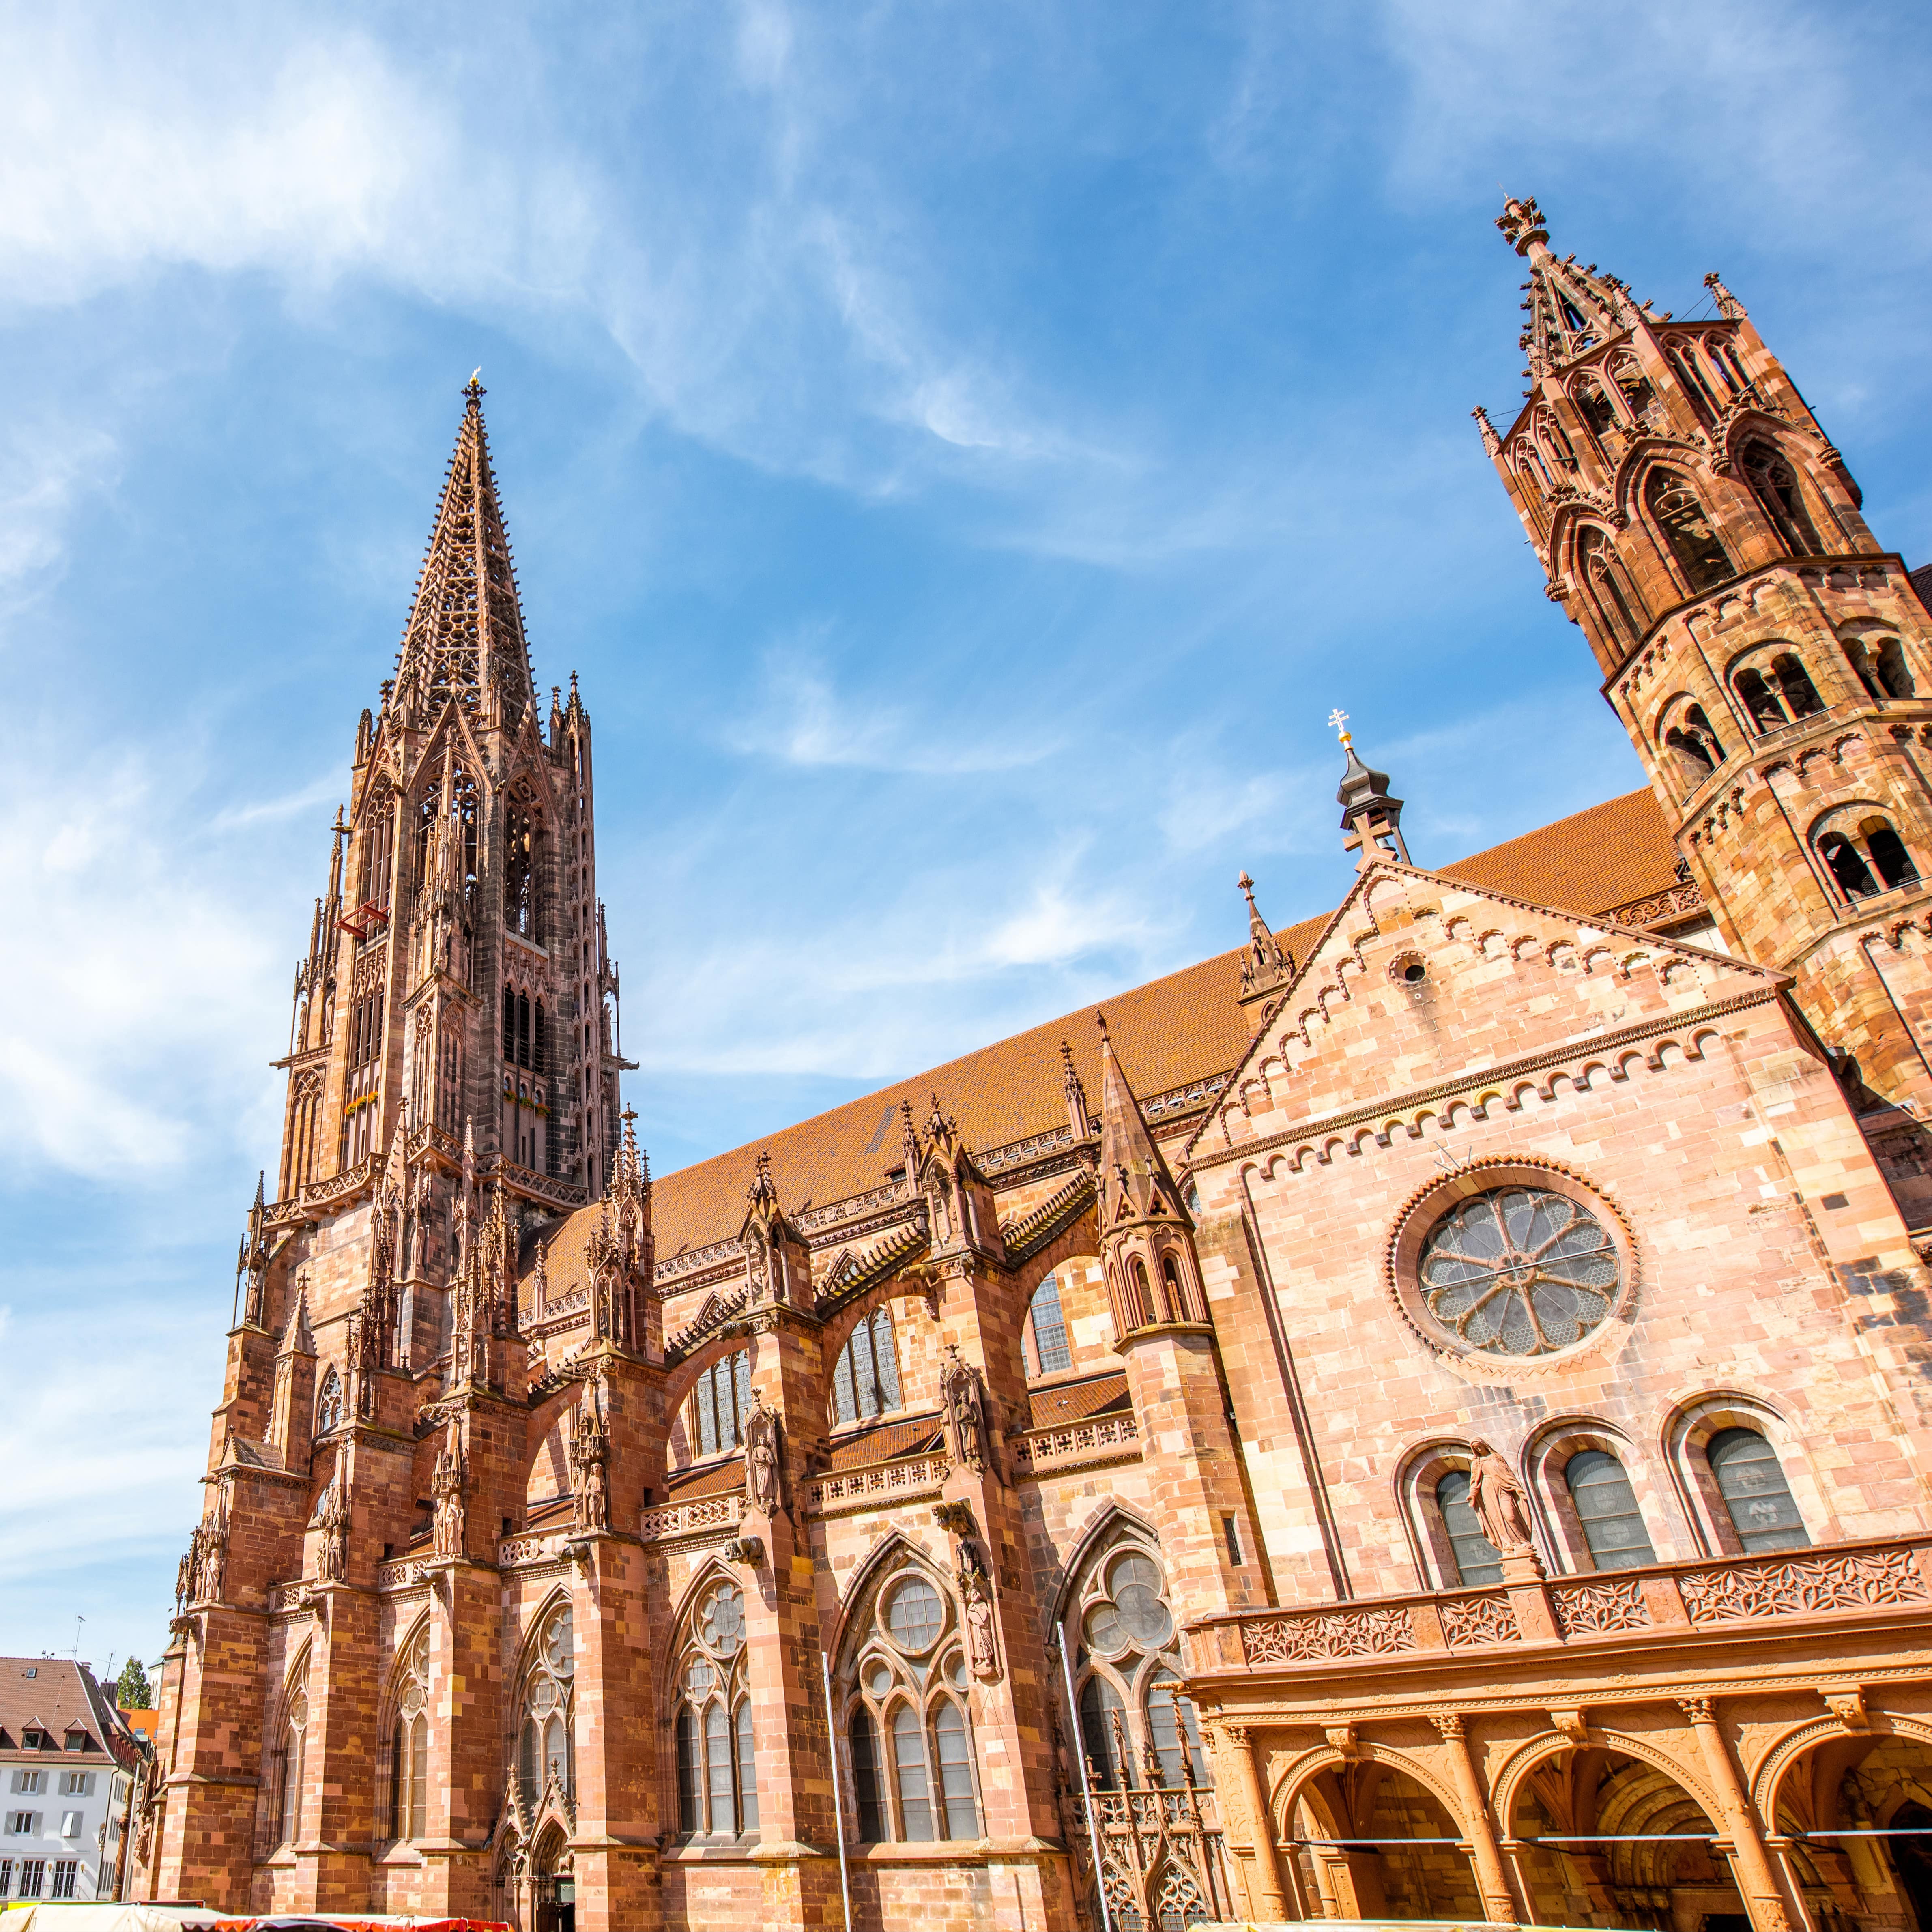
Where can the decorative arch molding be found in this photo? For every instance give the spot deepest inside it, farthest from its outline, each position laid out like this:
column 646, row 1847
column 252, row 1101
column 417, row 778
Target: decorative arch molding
column 557, row 1597
column 892, row 1544
column 679, row 1382
column 713, row 1570
column 1107, row 1516
column 393, row 1671
column 1508, row 1784
column 1286, row 1788
column 1767, row 1781
column 839, row 1328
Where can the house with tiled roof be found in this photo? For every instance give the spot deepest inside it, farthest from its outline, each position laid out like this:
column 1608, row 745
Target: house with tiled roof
column 1422, row 1415
column 68, row 1763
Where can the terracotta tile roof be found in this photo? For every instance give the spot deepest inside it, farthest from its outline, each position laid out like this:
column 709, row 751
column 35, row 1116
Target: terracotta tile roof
column 882, row 1443
column 1593, row 862
column 53, row 1694
column 715, row 1479
column 1074, row 1402
column 1921, row 582
column 1167, row 1033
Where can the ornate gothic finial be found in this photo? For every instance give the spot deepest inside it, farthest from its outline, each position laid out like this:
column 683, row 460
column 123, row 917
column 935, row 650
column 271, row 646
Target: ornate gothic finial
column 1265, row 968
column 1077, row 1117
column 1729, row 306
column 473, row 390
column 1522, row 224
column 762, row 1193
column 1487, row 430
column 1100, row 1021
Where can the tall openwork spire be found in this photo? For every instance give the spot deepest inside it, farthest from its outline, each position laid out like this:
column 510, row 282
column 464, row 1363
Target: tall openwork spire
column 465, row 637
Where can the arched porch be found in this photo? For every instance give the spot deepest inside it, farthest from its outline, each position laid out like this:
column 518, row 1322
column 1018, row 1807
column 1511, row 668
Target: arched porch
column 1366, row 1839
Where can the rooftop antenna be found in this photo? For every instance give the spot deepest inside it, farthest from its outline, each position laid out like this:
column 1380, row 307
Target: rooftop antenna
column 76, row 1651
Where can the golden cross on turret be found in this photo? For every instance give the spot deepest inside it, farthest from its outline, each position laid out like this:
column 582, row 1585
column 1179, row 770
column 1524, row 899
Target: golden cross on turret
column 1338, row 722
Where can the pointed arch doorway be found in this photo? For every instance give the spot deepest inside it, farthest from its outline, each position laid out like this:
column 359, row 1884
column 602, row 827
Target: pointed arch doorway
column 552, row 1884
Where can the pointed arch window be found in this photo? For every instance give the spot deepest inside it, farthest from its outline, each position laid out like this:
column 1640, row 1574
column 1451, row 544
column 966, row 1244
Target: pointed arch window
column 715, row 1414
column 409, row 1744
column 1684, row 355
column 1681, row 515
column 1595, row 407
column 520, row 870
column 1774, row 483
column 463, row 812
column 379, row 847
column 1136, row 1725
column 1634, row 386
column 546, row 1730
column 1596, row 560
column 328, row 1403
column 1046, row 1331
column 289, row 1763
column 1751, row 1481
column 866, row 1381
column 717, row 1762
column 908, row 1729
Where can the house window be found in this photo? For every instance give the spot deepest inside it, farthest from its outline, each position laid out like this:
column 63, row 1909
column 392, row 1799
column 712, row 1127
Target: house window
column 6, row 1876
column 77, row 1783
column 1606, row 1511
column 65, row 1872
column 31, row 1782
column 32, row 1872
column 907, row 1721
column 1519, row 1271
column 1477, row 1560
column 717, row 1761
column 70, row 1823
column 866, row 1381
column 1046, row 1330
column 24, row 1824
column 1752, row 1484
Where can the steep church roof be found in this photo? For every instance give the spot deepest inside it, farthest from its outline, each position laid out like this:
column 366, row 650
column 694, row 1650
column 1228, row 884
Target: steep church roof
column 1173, row 1032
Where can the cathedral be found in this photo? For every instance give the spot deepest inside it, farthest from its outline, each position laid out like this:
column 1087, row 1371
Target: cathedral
column 1423, row 1415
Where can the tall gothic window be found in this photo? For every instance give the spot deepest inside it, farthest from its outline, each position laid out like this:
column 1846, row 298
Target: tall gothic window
column 1596, row 566
column 1135, row 1719
column 364, row 1075
column 449, row 1073
column 290, row 1757
column 328, row 1403
column 378, row 849
column 1686, row 528
column 519, row 882
column 714, row 1415
column 866, row 1381
column 1774, row 483
column 546, row 1745
column 464, row 820
column 1046, row 1331
column 1595, row 407
column 908, row 1729
column 305, row 1128
column 717, row 1763
column 1635, row 387
column 409, row 1744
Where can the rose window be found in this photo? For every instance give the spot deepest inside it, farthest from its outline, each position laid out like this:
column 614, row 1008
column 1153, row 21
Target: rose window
column 1519, row 1271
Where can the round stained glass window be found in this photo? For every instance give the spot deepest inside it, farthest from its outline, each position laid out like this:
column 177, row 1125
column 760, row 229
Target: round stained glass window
column 721, row 1620
column 1519, row 1271
column 914, row 1616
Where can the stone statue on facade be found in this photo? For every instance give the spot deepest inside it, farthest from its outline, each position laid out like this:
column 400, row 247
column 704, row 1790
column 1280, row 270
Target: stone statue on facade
column 447, row 1488
column 762, row 1482
column 590, row 1452
column 331, row 1517
column 959, row 1385
column 1497, row 1500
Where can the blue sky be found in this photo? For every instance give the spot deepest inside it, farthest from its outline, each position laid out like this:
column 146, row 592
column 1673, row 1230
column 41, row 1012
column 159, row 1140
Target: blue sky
column 966, row 450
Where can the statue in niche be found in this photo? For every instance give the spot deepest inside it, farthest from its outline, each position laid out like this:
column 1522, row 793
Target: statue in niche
column 959, row 1383
column 1497, row 1500
column 763, row 1481
column 332, row 1517
column 446, row 1486
column 590, row 1452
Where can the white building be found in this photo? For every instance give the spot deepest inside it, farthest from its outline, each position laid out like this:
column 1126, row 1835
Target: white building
column 68, row 1765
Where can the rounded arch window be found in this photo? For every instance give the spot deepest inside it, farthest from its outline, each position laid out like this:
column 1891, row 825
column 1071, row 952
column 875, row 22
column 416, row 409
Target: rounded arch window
column 713, row 1742
column 1751, row 1481
column 1867, row 857
column 1518, row 1270
column 1606, row 1510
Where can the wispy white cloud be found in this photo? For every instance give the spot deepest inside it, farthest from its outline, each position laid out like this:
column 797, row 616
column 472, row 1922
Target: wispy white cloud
column 801, row 718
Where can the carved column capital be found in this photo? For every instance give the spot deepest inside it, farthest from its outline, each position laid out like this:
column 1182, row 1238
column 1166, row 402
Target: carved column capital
column 1697, row 1709
column 1449, row 1722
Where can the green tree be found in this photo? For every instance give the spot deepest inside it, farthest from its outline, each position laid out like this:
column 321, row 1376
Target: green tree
column 130, row 1690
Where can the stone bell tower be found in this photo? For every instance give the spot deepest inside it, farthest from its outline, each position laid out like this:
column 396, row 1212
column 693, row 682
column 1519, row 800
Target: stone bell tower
column 1770, row 662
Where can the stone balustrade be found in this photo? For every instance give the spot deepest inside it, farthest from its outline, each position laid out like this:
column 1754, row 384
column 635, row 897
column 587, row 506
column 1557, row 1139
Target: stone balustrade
column 1837, row 1579
column 1077, row 1445
column 707, row 1515
column 875, row 1483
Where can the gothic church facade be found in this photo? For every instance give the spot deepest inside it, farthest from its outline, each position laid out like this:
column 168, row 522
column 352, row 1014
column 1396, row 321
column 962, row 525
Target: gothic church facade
column 1422, row 1415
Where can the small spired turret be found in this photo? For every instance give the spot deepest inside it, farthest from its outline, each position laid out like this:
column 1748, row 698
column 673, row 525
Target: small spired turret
column 1371, row 817
column 1267, row 966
